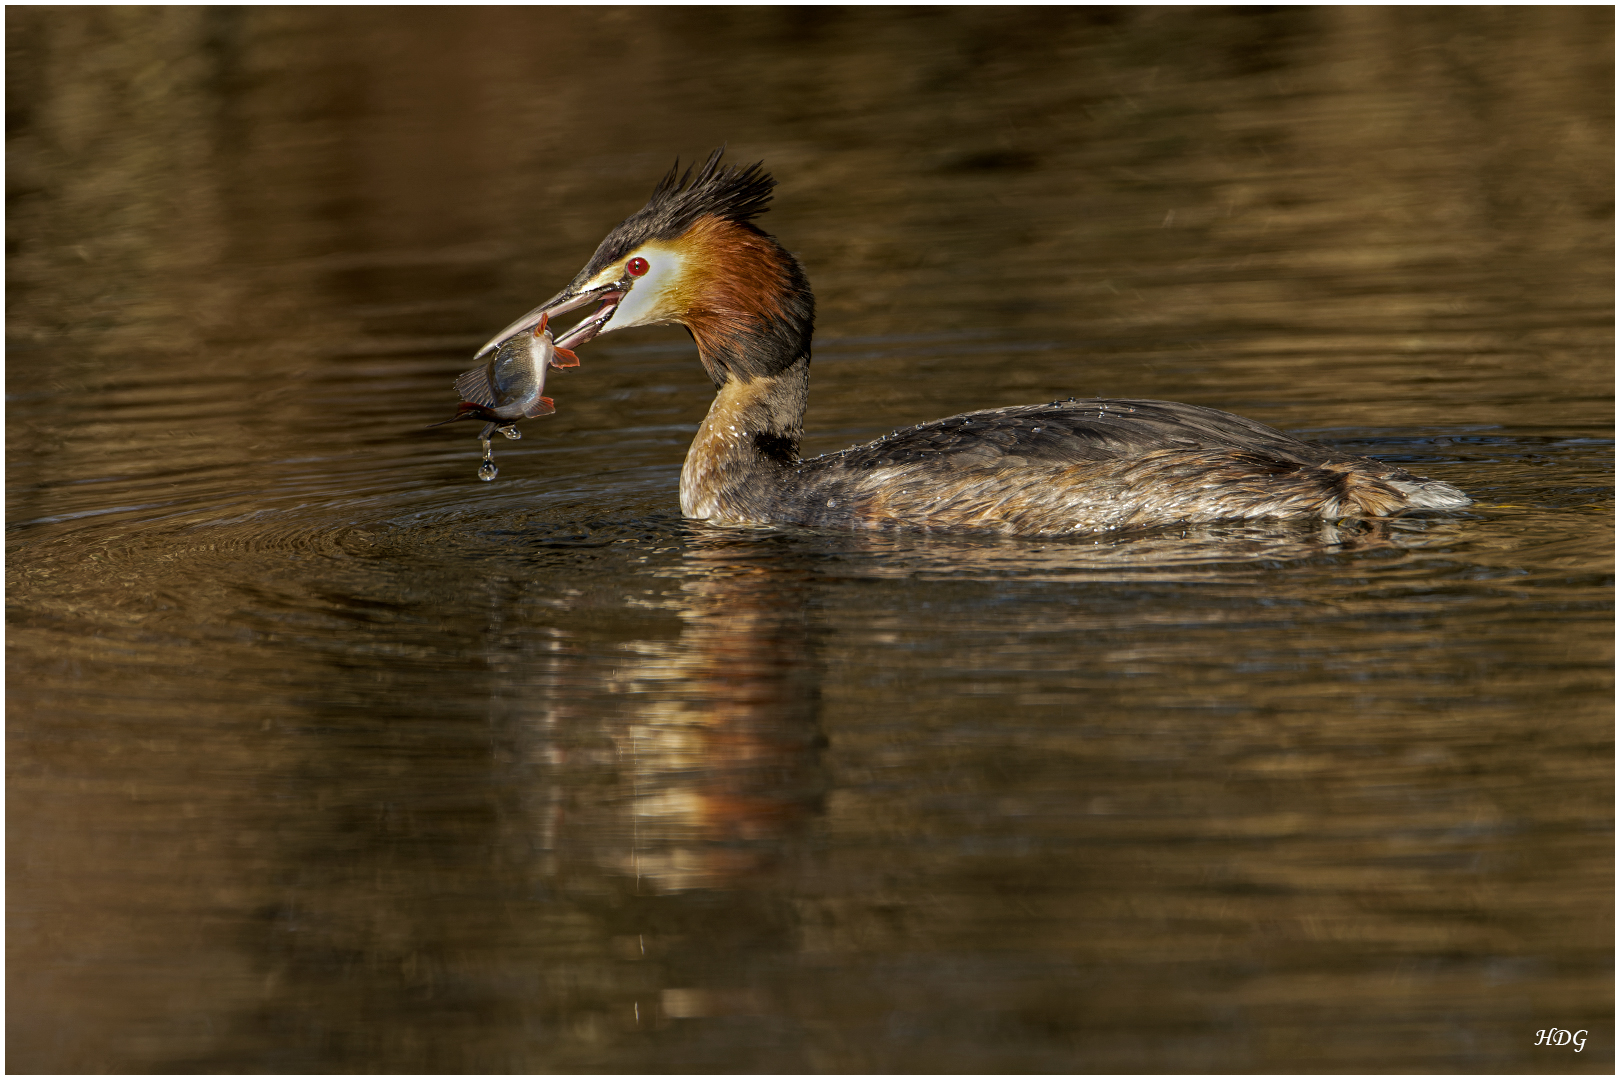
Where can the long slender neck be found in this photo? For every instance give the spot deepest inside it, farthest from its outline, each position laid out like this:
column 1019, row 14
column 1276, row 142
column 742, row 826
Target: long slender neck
column 744, row 447
column 752, row 314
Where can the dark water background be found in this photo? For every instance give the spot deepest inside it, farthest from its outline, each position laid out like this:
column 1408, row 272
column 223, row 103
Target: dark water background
column 325, row 756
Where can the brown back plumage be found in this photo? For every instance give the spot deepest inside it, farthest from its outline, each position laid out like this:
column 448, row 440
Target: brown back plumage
column 1090, row 465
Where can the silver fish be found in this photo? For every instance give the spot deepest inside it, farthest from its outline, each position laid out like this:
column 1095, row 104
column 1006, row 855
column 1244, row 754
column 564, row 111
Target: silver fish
column 510, row 388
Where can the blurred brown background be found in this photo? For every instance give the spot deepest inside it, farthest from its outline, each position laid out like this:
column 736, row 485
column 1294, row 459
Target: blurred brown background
column 323, row 756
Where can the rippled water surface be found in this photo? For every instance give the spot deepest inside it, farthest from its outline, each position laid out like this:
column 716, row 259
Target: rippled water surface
column 325, row 756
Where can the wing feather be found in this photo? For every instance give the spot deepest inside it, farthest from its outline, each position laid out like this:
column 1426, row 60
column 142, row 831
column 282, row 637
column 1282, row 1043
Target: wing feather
column 1094, row 429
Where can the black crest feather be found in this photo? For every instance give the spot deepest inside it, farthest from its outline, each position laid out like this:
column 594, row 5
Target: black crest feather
column 736, row 193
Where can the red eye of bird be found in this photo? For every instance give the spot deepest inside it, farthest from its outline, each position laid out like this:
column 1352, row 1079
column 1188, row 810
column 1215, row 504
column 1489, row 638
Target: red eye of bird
column 636, row 266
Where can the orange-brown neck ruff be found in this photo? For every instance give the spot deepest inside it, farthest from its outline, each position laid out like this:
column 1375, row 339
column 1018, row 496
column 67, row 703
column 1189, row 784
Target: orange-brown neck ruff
column 744, row 299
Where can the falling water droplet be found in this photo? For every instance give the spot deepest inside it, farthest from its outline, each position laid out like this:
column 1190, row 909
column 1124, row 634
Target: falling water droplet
column 511, row 432
column 487, row 470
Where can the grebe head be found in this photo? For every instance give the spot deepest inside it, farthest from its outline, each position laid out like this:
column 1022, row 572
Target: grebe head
column 692, row 256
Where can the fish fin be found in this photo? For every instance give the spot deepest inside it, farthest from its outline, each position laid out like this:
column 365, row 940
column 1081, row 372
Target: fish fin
column 564, row 358
column 474, row 386
column 544, row 407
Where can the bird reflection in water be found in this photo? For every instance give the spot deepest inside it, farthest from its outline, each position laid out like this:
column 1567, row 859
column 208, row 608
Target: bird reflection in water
column 715, row 732
column 719, row 760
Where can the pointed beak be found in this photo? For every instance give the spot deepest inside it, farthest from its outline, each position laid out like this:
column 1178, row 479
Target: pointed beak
column 606, row 296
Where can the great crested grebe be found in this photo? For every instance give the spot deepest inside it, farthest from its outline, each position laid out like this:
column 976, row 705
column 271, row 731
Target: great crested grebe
column 692, row 256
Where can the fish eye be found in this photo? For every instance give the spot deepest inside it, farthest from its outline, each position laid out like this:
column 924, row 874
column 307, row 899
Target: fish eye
column 636, row 266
